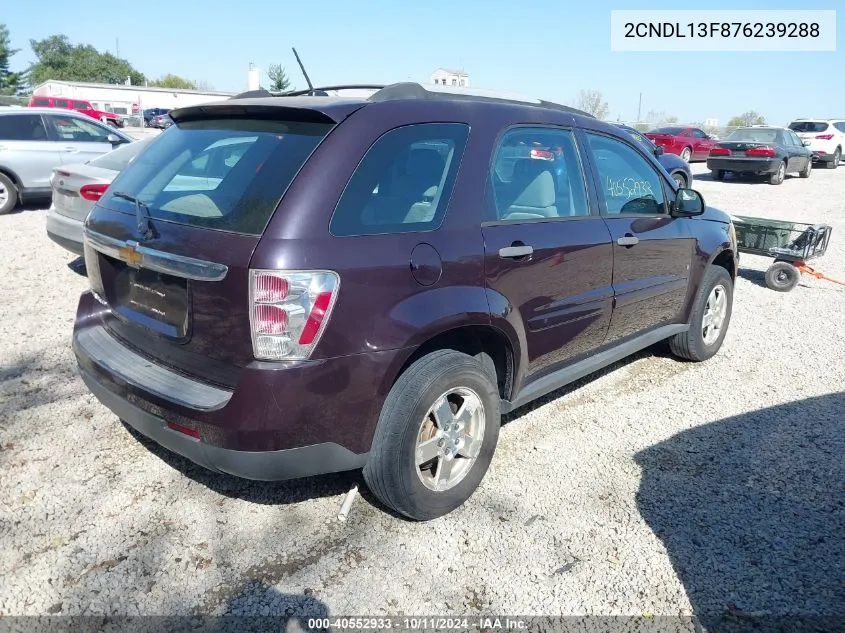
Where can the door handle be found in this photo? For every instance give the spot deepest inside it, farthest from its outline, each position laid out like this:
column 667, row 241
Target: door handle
column 628, row 240
column 515, row 250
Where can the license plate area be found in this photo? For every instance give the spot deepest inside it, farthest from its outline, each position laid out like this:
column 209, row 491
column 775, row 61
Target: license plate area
column 147, row 298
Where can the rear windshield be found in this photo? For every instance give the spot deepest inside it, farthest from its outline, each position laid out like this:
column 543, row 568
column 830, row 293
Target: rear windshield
column 224, row 174
column 119, row 158
column 668, row 130
column 807, row 126
column 755, row 135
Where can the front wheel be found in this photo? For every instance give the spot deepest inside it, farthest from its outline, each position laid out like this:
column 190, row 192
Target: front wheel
column 711, row 315
column 680, row 179
column 435, row 436
column 782, row 276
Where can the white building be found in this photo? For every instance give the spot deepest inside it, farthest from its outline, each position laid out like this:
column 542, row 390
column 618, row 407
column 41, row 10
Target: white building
column 450, row 77
column 711, row 122
column 126, row 100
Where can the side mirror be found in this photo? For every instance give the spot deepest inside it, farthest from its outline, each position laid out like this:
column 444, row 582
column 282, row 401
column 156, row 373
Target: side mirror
column 659, row 151
column 688, row 203
column 806, row 143
column 114, row 139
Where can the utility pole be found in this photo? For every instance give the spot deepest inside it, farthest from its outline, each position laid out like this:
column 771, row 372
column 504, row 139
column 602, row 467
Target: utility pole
column 117, row 47
column 639, row 107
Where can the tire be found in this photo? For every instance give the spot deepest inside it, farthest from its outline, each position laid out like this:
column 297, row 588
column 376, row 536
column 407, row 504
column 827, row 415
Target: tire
column 718, row 174
column 805, row 173
column 782, row 277
column 392, row 473
column 8, row 195
column 779, row 176
column 695, row 344
column 680, row 179
column 686, row 153
column 837, row 156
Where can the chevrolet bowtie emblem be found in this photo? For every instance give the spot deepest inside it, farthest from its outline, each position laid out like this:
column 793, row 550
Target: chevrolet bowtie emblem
column 130, row 255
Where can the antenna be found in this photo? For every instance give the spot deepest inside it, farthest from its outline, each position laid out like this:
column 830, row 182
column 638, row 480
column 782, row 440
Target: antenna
column 302, row 68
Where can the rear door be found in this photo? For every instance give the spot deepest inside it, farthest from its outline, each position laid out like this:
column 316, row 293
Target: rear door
column 26, row 150
column 652, row 252
column 545, row 253
column 79, row 140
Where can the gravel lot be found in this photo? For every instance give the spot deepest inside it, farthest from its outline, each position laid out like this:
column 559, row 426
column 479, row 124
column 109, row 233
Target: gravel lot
column 658, row 487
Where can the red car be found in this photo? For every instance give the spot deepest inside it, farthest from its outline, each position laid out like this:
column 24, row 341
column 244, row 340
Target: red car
column 690, row 143
column 80, row 105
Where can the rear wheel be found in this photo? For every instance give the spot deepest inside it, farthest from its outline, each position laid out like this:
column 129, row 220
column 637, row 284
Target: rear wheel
column 686, row 154
column 837, row 156
column 718, row 174
column 8, row 195
column 435, row 436
column 710, row 318
column 778, row 177
column 805, row 173
column 782, row 276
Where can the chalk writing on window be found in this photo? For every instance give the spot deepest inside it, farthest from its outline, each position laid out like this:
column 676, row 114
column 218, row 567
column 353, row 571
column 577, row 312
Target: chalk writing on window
column 628, row 188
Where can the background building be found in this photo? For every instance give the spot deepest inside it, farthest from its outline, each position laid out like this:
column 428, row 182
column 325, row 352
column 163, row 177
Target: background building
column 126, row 100
column 450, row 77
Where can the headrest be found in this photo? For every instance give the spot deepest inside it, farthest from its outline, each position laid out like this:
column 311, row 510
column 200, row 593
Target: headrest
column 535, row 183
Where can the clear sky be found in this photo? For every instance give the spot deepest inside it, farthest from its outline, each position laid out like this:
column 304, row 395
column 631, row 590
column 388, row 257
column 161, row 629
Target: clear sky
column 547, row 49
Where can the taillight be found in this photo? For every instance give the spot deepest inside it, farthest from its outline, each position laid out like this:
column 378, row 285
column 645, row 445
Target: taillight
column 824, row 137
column 542, row 154
column 93, row 192
column 767, row 152
column 720, row 151
column 289, row 311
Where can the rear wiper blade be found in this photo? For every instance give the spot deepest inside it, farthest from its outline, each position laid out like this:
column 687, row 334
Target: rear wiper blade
column 142, row 213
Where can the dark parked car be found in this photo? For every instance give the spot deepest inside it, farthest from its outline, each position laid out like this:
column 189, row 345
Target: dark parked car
column 286, row 286
column 761, row 151
column 676, row 166
column 151, row 113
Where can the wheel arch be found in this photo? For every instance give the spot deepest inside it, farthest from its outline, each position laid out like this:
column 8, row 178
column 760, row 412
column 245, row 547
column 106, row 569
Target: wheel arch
column 16, row 181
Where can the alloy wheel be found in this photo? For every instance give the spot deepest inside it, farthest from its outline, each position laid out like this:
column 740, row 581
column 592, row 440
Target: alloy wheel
column 450, row 439
column 715, row 311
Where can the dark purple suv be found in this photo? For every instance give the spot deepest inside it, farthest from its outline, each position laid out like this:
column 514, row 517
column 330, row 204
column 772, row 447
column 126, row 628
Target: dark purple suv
column 292, row 285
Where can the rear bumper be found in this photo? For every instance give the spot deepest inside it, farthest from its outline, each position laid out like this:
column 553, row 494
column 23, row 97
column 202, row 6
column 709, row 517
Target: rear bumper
column 743, row 165
column 280, row 421
column 292, row 463
column 65, row 231
column 823, row 157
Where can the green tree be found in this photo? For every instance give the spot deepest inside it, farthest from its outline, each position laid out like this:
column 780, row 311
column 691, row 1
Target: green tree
column 593, row 102
column 279, row 81
column 173, row 81
column 747, row 118
column 10, row 82
column 58, row 58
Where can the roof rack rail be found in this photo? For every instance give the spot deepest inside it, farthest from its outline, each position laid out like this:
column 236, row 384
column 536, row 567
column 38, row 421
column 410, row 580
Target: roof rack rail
column 413, row 90
column 321, row 91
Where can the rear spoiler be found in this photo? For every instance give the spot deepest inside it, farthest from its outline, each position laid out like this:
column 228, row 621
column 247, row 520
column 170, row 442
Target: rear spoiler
column 308, row 92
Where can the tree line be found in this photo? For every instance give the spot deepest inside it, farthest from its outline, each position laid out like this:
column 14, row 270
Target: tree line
column 56, row 57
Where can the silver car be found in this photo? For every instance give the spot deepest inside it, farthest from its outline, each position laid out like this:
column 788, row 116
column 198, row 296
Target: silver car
column 35, row 140
column 77, row 187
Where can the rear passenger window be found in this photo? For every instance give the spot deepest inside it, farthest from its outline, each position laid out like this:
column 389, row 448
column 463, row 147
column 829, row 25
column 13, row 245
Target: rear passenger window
column 22, row 127
column 403, row 183
column 628, row 183
column 537, row 175
column 41, row 101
